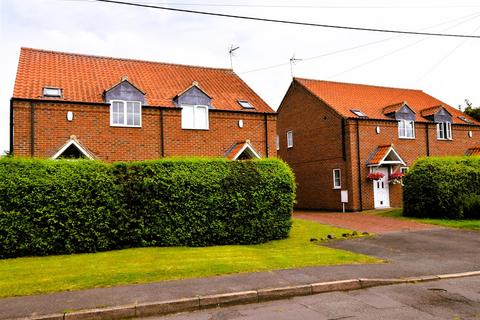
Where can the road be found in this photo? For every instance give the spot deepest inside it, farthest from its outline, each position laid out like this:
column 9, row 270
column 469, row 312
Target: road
column 452, row 299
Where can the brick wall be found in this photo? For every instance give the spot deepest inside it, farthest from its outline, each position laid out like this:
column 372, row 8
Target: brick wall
column 408, row 149
column 317, row 150
column 91, row 126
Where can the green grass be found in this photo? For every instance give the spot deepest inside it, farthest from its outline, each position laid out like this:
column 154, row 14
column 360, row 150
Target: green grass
column 473, row 224
column 35, row 275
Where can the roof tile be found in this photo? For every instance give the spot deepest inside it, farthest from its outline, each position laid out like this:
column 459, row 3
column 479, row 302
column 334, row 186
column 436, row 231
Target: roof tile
column 84, row 78
column 372, row 100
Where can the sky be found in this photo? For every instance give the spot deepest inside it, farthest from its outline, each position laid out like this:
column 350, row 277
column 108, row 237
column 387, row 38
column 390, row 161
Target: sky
column 447, row 68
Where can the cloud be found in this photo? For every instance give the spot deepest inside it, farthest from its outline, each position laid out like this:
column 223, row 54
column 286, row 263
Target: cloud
column 104, row 29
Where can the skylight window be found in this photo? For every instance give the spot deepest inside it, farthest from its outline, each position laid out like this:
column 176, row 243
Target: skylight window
column 52, row 92
column 465, row 119
column 359, row 113
column 245, row 104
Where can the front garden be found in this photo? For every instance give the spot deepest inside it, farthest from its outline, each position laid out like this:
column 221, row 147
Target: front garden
column 36, row 275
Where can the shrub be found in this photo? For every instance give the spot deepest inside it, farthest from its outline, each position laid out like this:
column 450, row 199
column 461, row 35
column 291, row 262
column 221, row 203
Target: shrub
column 443, row 188
column 55, row 207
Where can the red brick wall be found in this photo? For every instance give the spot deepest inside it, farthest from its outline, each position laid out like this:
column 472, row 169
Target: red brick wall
column 317, row 135
column 408, row 149
column 91, row 126
column 316, row 151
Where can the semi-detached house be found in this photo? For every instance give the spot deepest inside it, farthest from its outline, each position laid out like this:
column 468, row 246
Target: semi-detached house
column 68, row 105
column 360, row 139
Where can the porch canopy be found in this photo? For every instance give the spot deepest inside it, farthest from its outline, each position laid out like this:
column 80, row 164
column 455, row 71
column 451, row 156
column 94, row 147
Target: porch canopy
column 385, row 155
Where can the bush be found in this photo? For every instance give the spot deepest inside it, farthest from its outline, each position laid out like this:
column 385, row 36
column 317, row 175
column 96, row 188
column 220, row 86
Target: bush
column 443, row 188
column 56, row 207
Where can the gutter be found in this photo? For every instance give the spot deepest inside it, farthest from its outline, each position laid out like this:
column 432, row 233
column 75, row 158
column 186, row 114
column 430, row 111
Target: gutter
column 143, row 106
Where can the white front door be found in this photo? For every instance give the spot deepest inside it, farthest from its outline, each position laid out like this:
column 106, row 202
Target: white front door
column 381, row 194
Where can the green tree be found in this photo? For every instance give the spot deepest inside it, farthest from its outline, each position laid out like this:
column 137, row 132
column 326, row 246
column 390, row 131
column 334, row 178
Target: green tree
column 471, row 110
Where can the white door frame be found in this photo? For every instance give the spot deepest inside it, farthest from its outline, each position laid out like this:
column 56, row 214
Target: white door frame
column 381, row 190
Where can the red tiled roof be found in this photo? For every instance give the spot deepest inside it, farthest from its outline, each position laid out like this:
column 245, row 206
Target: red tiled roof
column 234, row 150
column 84, row 78
column 393, row 107
column 379, row 154
column 371, row 100
column 431, row 111
column 475, row 151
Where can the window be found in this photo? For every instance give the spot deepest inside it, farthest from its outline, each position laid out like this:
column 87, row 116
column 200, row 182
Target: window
column 465, row 119
column 337, row 181
column 277, row 142
column 195, row 117
column 406, row 129
column 403, row 170
column 245, row 104
column 359, row 113
column 52, row 92
column 444, row 131
column 125, row 113
column 289, row 139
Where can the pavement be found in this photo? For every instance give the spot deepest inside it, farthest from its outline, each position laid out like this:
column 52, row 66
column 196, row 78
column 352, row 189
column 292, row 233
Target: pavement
column 443, row 299
column 413, row 253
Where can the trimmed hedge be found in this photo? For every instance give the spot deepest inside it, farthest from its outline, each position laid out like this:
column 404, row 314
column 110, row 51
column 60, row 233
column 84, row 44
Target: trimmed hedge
column 446, row 187
column 58, row 207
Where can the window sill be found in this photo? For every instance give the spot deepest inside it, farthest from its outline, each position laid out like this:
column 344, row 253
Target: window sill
column 407, row 138
column 337, row 188
column 202, row 129
column 440, row 139
column 124, row 126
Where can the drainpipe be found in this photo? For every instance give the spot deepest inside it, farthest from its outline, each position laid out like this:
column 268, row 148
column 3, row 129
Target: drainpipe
column 11, row 127
column 344, row 153
column 32, row 129
column 427, row 139
column 359, row 166
column 266, row 134
column 162, row 143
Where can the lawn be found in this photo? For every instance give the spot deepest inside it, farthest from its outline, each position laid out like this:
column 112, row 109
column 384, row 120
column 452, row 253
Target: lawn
column 35, row 275
column 473, row 224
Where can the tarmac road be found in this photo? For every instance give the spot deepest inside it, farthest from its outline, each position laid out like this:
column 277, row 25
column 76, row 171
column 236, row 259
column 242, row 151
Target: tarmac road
column 444, row 299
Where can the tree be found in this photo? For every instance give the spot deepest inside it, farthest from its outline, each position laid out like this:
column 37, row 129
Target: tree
column 471, row 110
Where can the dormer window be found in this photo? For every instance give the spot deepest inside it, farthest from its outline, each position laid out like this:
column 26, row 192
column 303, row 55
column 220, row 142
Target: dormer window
column 52, row 92
column 406, row 129
column 245, row 104
column 444, row 131
column 125, row 113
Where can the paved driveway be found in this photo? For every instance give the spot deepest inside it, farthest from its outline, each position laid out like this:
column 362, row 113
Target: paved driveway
column 363, row 222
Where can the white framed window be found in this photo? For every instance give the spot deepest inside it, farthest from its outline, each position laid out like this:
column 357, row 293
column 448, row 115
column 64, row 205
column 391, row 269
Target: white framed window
column 52, row 92
column 195, row 117
column 277, row 142
column 444, row 131
column 337, row 179
column 406, row 129
column 125, row 113
column 289, row 139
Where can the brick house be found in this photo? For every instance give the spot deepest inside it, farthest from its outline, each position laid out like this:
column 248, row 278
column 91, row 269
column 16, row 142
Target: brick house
column 338, row 136
column 72, row 105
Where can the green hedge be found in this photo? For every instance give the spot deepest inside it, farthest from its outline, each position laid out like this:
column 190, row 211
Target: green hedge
column 57, row 207
column 447, row 187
